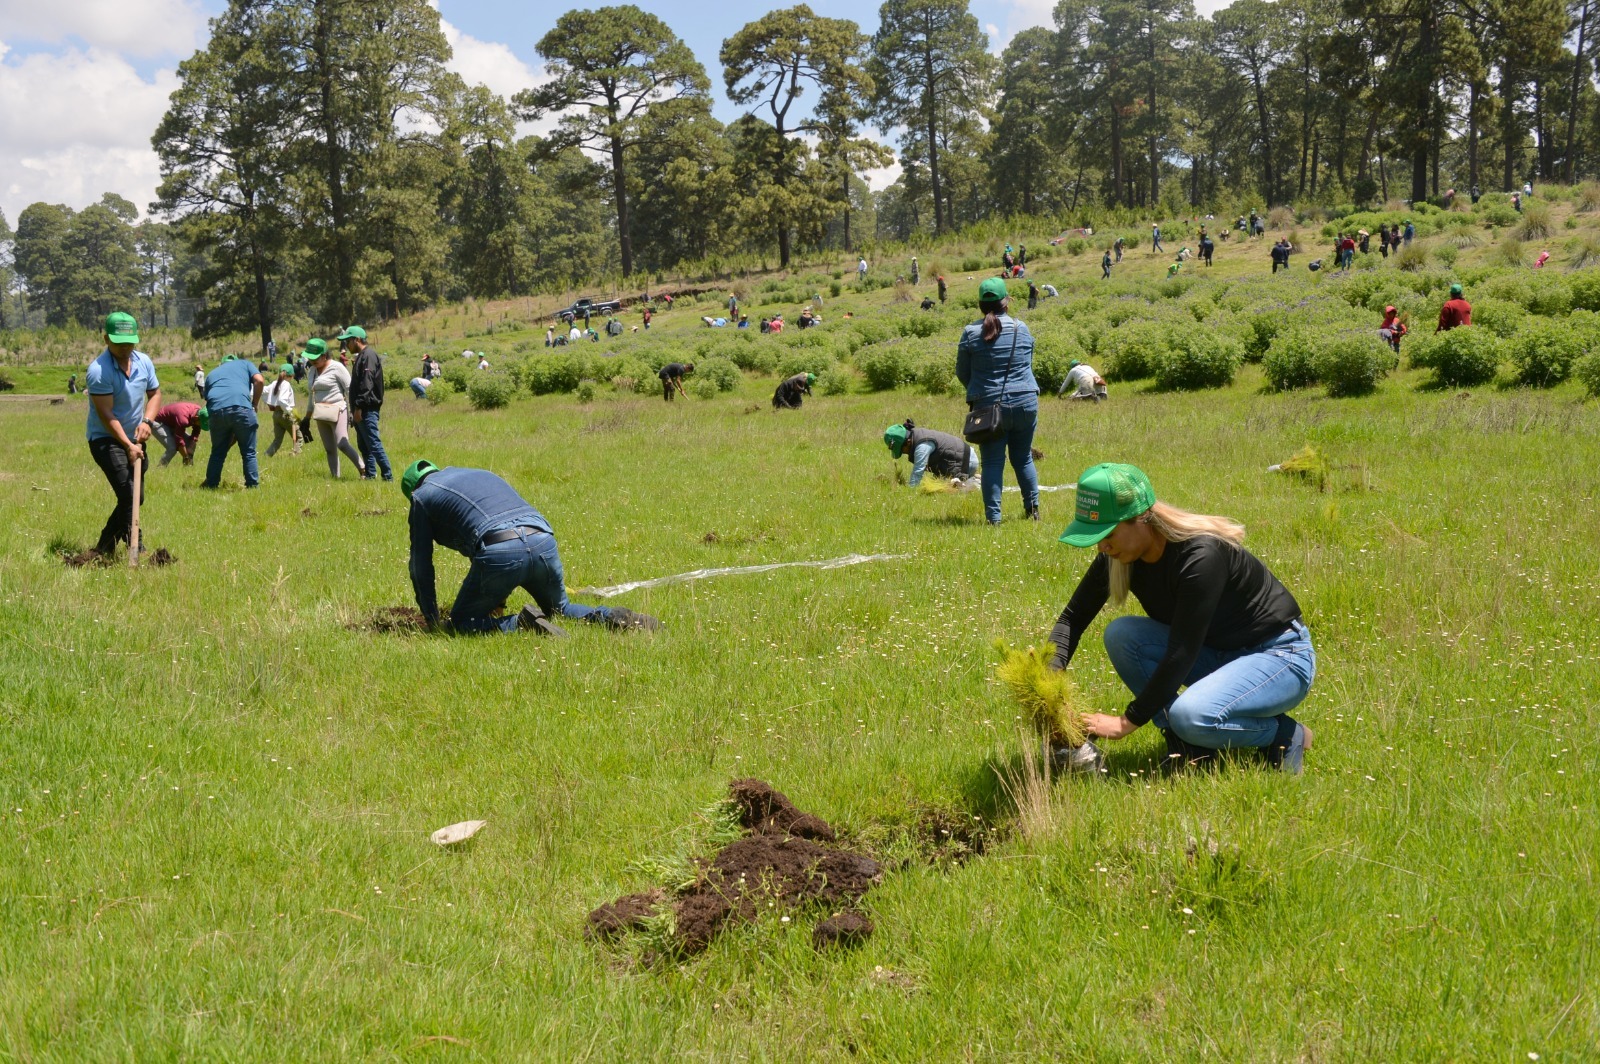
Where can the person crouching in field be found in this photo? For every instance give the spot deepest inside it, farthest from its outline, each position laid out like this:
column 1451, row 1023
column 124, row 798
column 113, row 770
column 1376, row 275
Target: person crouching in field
column 1392, row 328
column 281, row 401
column 792, row 391
column 1084, row 382
column 124, row 395
column 1217, row 623
column 479, row 515
column 931, row 451
column 177, row 427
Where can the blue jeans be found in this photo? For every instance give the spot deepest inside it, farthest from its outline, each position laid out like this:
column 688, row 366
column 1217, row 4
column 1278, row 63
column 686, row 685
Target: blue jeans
column 372, row 452
column 530, row 562
column 1232, row 697
column 234, row 424
column 1018, row 426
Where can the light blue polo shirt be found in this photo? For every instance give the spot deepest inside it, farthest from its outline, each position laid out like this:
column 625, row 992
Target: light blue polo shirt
column 128, row 391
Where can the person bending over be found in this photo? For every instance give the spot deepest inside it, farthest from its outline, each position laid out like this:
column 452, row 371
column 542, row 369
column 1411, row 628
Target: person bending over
column 672, row 375
column 931, row 451
column 792, row 391
column 1083, row 382
column 1217, row 624
column 479, row 515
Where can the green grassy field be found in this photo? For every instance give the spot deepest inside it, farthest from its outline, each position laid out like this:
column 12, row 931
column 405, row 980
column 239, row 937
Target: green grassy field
column 219, row 785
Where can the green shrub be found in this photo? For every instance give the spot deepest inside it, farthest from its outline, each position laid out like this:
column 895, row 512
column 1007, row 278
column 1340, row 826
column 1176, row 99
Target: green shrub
column 1550, row 298
column 835, row 380
column 553, row 373
column 457, row 373
column 1198, row 358
column 1498, row 213
column 937, row 376
column 1411, row 257
column 1587, row 370
column 702, row 387
column 586, row 391
column 834, row 288
column 1290, row 361
column 1499, row 316
column 1353, row 363
column 1052, row 360
column 439, row 391
column 804, row 360
column 488, row 391
column 971, row 265
column 921, row 325
column 1132, row 352
column 1076, row 246
column 1465, row 355
column 393, row 379
column 1544, row 352
column 753, row 358
column 723, row 374
column 1585, row 288
column 1535, row 223
column 1447, row 254
column 1263, row 328
column 888, row 365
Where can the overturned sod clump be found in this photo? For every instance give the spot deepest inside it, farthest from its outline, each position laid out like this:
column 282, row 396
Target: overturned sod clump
column 788, row 859
column 397, row 620
column 1049, row 698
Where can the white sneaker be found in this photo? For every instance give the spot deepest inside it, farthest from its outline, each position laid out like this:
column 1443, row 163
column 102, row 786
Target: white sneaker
column 1066, row 760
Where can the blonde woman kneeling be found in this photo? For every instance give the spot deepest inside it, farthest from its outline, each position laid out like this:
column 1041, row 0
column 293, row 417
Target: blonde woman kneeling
column 330, row 405
column 1218, row 624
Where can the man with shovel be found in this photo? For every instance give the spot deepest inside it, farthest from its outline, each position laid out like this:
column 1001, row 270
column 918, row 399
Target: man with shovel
column 479, row 515
column 124, row 396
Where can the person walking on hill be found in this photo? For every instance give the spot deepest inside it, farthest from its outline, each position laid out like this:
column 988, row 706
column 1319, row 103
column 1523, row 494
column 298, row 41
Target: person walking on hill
column 861, row 269
column 124, row 395
column 1216, row 622
column 931, row 451
column 200, row 380
column 1022, row 254
column 1364, row 242
column 1117, row 245
column 330, row 406
column 994, row 360
column 510, row 544
column 1455, row 312
column 233, row 390
column 1033, row 296
column 915, row 273
column 672, row 375
column 942, row 288
column 366, row 401
column 1392, row 328
column 1410, row 232
column 281, row 401
column 1383, row 239
column 1155, row 238
column 792, row 391
column 1105, row 265
column 1347, row 252
column 72, row 384
column 177, row 428
column 1208, row 248
column 1280, row 255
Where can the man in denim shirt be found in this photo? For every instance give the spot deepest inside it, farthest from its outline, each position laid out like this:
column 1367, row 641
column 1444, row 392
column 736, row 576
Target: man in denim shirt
column 479, row 515
column 124, row 395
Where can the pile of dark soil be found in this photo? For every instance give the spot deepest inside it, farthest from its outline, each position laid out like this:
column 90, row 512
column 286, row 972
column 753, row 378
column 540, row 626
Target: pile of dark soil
column 399, row 620
column 789, row 859
column 162, row 556
column 83, row 558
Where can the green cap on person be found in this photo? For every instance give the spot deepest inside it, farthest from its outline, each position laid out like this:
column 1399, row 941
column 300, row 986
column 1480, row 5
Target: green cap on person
column 203, row 419
column 1456, row 290
column 121, row 328
column 1075, row 364
column 353, row 332
column 286, row 368
column 895, row 437
column 993, row 290
column 230, row 358
column 811, row 378
column 1108, row 494
column 316, row 349
column 414, row 474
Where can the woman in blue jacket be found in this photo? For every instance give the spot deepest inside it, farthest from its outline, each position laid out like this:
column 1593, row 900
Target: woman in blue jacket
column 995, row 362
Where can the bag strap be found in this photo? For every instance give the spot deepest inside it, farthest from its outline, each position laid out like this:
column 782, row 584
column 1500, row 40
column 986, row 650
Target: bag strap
column 1016, row 327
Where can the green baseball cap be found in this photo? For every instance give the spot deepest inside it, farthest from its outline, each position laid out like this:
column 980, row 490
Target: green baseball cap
column 895, row 438
column 811, row 378
column 122, row 328
column 354, row 332
column 316, row 348
column 286, row 368
column 203, row 419
column 993, row 290
column 414, row 474
column 1108, row 494
column 1456, row 289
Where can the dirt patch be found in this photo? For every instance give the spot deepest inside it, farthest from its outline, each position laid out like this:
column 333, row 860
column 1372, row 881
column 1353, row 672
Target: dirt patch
column 396, row 620
column 371, row 513
column 950, row 836
column 308, row 512
column 844, row 929
column 83, row 558
column 711, row 537
column 162, row 556
column 1038, row 455
column 787, row 861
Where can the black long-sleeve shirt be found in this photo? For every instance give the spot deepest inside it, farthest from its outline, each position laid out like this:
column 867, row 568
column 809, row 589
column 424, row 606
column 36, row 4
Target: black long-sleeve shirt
column 1212, row 594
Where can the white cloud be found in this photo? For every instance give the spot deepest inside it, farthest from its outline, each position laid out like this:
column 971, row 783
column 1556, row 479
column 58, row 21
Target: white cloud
column 77, row 124
column 130, row 27
column 493, row 65
column 881, row 177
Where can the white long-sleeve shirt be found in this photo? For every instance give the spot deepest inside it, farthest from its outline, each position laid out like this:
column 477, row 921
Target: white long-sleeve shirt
column 280, row 396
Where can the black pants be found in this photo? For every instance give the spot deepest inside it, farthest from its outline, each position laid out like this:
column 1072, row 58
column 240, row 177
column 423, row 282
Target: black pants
column 666, row 388
column 787, row 398
column 113, row 461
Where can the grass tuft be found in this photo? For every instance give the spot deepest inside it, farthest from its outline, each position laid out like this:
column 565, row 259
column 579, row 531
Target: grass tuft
column 1048, row 697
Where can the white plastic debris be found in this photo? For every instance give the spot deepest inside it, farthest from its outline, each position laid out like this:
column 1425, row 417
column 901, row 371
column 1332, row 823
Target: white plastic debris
column 454, row 833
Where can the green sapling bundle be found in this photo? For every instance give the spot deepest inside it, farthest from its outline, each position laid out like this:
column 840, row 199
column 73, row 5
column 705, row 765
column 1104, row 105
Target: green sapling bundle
column 1048, row 697
column 1306, row 464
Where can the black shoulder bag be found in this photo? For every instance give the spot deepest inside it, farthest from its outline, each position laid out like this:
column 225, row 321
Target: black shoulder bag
column 983, row 423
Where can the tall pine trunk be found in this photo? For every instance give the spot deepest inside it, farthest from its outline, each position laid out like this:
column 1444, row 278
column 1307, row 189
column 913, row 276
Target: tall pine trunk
column 1575, row 100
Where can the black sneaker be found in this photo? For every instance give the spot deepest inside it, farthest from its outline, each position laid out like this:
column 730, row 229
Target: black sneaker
column 532, row 618
column 623, row 619
column 1185, row 757
column 1289, row 756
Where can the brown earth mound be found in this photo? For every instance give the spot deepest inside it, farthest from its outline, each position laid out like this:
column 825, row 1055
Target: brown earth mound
column 397, row 620
column 162, row 556
column 781, row 864
column 843, row 929
column 85, row 557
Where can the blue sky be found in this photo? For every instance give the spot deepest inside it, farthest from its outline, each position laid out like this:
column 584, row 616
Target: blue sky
column 84, row 82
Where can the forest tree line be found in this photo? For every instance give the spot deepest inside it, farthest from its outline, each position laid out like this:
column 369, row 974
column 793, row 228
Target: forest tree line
column 319, row 161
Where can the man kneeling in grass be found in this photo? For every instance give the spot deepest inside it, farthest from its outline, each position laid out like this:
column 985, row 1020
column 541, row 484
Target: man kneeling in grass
column 1217, row 623
column 479, row 515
